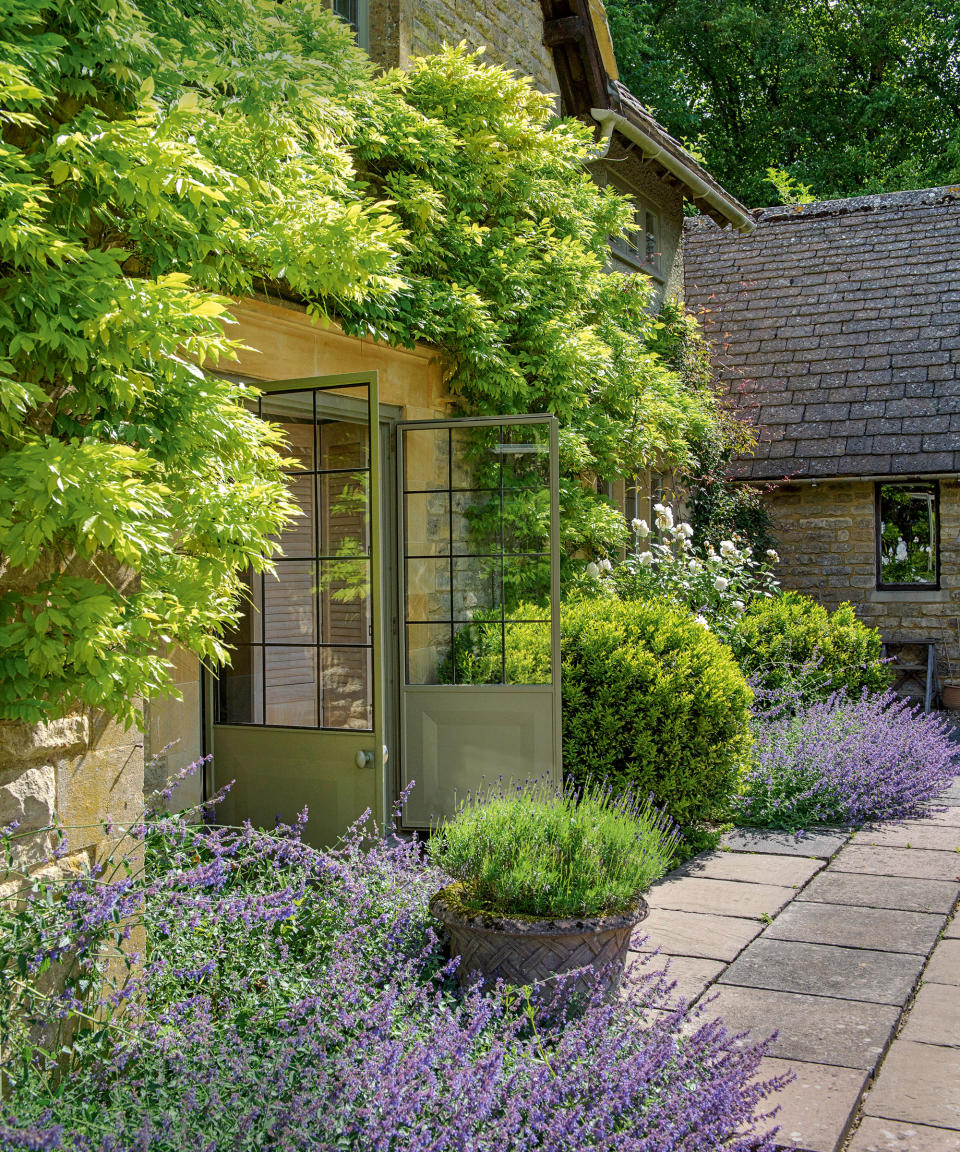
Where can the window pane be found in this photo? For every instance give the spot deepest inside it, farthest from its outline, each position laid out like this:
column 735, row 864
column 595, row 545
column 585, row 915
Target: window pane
column 299, row 538
column 293, row 411
column 239, row 694
column 347, row 688
column 343, row 444
column 527, row 654
column 427, row 528
column 908, row 536
column 426, row 459
column 345, row 514
column 290, row 677
column 428, row 591
column 290, row 603
column 428, row 654
column 477, row 587
column 345, row 607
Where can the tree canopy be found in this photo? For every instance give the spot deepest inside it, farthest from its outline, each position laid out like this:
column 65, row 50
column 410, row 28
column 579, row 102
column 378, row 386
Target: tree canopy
column 159, row 157
column 847, row 96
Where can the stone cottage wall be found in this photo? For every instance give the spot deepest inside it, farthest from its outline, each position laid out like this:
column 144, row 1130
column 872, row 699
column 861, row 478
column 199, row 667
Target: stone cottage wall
column 80, row 772
column 510, row 30
column 826, row 542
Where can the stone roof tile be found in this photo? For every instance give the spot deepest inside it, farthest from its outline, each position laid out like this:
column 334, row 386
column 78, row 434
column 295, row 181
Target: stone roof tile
column 840, row 324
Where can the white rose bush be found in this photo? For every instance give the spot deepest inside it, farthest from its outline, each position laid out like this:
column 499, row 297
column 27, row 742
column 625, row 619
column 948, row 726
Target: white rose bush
column 715, row 583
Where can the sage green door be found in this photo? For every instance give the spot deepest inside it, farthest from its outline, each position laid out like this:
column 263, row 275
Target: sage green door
column 298, row 715
column 479, row 617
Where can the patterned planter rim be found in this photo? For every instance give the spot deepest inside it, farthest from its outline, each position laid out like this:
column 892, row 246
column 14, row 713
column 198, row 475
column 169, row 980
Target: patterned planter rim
column 524, row 951
column 441, row 909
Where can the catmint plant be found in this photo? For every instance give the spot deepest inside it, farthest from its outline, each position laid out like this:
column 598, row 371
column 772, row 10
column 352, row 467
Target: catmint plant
column 845, row 760
column 288, row 998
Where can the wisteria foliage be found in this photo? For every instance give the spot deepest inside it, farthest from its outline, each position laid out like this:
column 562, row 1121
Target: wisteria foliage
column 844, row 760
column 288, row 998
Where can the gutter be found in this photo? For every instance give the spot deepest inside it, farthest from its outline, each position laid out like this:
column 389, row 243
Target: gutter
column 610, row 121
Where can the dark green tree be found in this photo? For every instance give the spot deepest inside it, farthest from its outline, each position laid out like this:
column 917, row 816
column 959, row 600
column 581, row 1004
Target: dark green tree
column 847, row 96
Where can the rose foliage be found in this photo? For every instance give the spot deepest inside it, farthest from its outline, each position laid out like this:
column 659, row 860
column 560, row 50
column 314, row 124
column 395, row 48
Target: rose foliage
column 159, row 157
column 290, row 998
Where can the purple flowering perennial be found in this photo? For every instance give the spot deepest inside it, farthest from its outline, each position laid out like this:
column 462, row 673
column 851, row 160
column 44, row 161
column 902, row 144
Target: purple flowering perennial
column 846, row 761
column 290, row 999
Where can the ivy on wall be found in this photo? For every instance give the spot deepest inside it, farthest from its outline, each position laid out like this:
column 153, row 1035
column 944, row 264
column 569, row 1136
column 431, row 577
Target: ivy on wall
column 158, row 157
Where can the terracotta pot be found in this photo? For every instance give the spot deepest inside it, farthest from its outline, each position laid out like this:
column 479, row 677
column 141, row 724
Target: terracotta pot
column 950, row 695
column 522, row 951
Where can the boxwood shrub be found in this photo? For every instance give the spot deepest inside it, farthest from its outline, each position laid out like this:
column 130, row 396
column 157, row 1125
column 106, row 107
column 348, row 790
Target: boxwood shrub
column 792, row 643
column 653, row 702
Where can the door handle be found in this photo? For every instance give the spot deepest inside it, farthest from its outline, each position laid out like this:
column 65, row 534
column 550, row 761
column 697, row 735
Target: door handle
column 363, row 759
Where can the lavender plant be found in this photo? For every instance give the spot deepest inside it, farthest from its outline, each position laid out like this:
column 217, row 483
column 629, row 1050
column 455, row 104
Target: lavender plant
column 844, row 760
column 291, row 998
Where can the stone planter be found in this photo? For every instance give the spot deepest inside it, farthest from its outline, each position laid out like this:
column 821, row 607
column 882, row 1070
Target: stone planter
column 950, row 695
column 523, row 951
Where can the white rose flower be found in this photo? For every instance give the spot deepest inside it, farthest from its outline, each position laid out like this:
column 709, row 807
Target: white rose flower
column 646, row 559
column 606, row 565
column 901, row 550
column 721, row 583
column 593, row 570
column 728, row 548
column 659, row 507
column 739, row 605
column 685, row 530
column 641, row 527
column 694, row 565
column 703, row 622
column 773, row 556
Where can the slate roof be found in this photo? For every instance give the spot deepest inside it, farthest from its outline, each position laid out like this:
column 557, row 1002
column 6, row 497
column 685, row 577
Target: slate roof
column 836, row 327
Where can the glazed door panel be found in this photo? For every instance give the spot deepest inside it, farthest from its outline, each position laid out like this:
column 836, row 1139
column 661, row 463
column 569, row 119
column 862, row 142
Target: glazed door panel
column 479, row 608
column 298, row 715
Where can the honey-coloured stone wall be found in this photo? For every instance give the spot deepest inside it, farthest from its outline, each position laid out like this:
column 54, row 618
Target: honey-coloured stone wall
column 826, row 540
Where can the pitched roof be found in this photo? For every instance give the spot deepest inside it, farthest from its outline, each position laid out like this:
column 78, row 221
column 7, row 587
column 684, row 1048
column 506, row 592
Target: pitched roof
column 578, row 36
column 836, row 327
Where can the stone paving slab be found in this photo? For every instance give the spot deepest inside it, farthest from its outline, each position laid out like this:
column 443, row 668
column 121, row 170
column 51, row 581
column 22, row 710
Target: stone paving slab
column 919, row 1083
column 692, row 975
column 949, row 817
column 693, row 934
column 856, row 888
column 719, row 897
column 816, row 1109
column 916, row 834
column 752, row 868
column 934, row 1016
column 811, row 844
column 952, row 931
column 920, row 863
column 944, row 966
column 882, row 929
column 821, row 970
column 875, row 1135
column 817, row 1029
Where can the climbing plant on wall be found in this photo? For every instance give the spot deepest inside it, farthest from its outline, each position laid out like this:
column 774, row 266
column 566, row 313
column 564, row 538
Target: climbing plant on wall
column 159, row 157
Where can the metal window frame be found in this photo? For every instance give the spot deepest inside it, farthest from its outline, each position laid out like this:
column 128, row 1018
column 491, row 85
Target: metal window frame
column 553, row 427
column 314, row 385
column 897, row 482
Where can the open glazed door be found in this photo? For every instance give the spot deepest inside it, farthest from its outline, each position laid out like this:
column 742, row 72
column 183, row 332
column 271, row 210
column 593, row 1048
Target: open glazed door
column 298, row 716
column 479, row 607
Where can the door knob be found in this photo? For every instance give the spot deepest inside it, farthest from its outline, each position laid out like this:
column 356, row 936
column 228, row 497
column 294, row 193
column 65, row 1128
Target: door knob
column 363, row 759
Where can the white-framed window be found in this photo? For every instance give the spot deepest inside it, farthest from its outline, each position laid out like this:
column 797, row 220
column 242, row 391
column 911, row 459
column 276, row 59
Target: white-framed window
column 357, row 14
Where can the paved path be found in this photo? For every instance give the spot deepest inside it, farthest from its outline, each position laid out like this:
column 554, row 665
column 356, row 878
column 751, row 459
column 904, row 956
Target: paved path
column 848, row 948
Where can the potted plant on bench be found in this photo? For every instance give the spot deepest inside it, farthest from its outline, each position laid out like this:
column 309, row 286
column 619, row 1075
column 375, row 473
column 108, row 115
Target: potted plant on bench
column 547, row 881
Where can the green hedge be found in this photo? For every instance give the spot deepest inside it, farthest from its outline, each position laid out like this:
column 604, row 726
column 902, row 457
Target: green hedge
column 792, row 643
column 652, row 701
